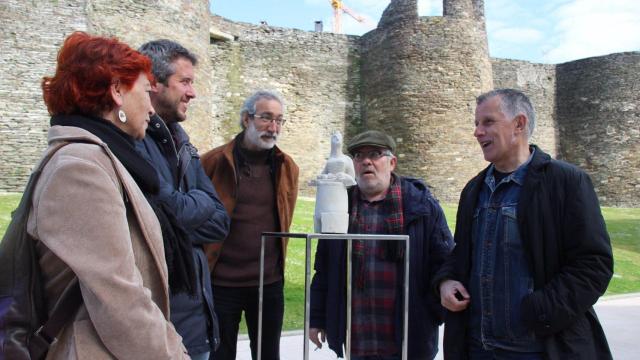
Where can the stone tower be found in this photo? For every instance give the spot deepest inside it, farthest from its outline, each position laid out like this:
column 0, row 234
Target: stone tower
column 598, row 113
column 464, row 9
column 420, row 77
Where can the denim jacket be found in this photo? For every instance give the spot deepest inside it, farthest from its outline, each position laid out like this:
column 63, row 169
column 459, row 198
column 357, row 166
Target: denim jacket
column 500, row 272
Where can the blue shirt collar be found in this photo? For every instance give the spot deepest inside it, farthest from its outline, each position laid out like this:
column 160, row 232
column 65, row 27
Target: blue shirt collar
column 517, row 176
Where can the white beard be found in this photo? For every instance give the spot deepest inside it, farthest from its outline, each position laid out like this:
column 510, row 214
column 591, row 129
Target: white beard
column 256, row 138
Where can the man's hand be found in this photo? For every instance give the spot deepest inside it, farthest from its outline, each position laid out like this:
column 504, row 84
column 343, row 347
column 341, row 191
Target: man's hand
column 313, row 336
column 453, row 295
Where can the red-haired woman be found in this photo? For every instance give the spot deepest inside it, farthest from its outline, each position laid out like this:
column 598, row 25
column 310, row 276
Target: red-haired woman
column 89, row 216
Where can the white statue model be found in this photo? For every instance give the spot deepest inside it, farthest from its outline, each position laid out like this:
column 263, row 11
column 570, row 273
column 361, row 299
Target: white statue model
column 332, row 203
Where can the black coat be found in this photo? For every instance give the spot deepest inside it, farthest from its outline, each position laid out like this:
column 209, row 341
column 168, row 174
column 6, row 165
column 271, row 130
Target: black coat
column 430, row 242
column 569, row 251
column 189, row 192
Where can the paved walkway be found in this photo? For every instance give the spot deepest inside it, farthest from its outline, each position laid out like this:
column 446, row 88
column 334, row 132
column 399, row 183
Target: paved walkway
column 619, row 315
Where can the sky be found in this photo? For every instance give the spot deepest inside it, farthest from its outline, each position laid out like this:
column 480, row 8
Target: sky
column 540, row 31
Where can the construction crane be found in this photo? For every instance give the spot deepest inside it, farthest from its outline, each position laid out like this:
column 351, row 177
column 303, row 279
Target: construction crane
column 338, row 8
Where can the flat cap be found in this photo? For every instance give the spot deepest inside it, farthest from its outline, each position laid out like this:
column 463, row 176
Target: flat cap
column 371, row 138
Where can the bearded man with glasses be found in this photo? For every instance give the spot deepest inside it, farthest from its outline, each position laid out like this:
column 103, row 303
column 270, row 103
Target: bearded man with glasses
column 258, row 185
column 381, row 203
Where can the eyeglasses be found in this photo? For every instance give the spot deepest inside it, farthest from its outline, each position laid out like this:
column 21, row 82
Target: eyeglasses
column 267, row 118
column 373, row 154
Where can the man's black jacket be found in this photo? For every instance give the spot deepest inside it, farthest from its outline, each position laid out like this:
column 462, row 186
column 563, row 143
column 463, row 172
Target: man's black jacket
column 188, row 191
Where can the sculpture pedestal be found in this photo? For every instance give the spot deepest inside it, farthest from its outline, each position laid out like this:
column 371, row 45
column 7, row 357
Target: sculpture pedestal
column 332, row 208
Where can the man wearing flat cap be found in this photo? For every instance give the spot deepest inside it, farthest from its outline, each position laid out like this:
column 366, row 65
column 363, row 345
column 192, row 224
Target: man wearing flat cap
column 381, row 203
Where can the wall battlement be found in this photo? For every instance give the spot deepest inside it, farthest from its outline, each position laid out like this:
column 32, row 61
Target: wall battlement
column 413, row 77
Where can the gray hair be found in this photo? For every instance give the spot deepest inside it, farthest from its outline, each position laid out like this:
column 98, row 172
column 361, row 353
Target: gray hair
column 163, row 53
column 513, row 103
column 249, row 105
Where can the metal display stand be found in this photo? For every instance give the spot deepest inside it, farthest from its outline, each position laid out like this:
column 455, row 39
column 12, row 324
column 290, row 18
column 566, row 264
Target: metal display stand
column 307, row 283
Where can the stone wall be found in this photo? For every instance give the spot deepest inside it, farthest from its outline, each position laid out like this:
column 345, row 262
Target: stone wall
column 316, row 73
column 588, row 115
column 184, row 21
column 415, row 78
column 420, row 78
column 598, row 112
column 30, row 35
column 538, row 81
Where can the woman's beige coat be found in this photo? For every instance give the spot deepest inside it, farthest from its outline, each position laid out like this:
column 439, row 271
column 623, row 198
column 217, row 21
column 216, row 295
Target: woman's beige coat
column 85, row 229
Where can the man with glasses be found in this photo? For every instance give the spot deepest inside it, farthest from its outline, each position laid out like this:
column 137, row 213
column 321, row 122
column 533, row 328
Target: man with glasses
column 258, row 185
column 381, row 203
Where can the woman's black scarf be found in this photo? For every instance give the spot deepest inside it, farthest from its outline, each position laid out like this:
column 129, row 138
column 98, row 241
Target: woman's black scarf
column 177, row 247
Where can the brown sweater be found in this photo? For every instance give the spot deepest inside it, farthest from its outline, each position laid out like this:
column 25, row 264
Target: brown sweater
column 239, row 262
column 220, row 165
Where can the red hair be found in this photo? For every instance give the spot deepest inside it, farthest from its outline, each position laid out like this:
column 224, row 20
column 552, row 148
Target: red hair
column 87, row 66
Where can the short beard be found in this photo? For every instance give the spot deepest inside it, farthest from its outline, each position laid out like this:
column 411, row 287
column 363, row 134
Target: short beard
column 255, row 137
column 168, row 111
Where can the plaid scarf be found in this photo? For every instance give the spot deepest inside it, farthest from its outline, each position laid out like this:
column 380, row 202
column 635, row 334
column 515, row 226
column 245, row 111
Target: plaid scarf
column 394, row 222
column 376, row 267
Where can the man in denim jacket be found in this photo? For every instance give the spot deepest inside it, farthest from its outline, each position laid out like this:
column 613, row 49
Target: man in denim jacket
column 532, row 252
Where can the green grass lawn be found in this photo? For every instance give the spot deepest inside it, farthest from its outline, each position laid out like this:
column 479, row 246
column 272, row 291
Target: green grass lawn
column 623, row 225
column 294, row 268
column 8, row 203
column 624, row 229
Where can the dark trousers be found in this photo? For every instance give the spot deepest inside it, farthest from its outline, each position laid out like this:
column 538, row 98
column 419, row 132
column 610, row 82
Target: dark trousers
column 231, row 302
column 476, row 352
